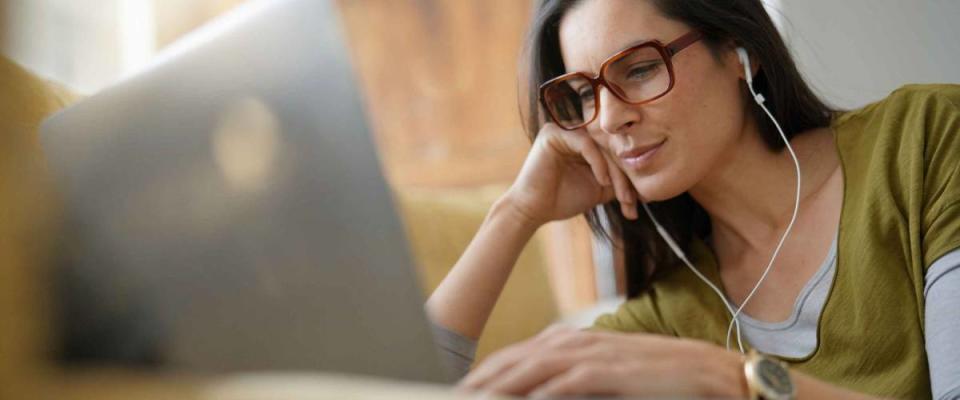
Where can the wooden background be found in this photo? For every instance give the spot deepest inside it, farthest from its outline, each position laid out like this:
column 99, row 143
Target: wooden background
column 439, row 79
column 440, row 83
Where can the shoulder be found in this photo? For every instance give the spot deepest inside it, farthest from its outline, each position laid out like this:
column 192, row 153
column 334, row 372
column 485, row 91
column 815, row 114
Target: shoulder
column 900, row 157
column 934, row 109
column 915, row 126
column 943, row 91
column 918, row 105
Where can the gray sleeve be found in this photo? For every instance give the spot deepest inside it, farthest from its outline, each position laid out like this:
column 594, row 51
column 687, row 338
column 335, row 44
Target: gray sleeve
column 942, row 325
column 457, row 351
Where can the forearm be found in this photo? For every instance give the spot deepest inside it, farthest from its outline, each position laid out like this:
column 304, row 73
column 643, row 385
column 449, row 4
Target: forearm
column 809, row 388
column 465, row 298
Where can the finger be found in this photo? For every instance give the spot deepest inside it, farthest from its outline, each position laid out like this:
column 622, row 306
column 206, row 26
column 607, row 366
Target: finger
column 571, row 339
column 592, row 155
column 554, row 330
column 629, row 199
column 556, row 337
column 532, row 372
column 616, row 179
column 495, row 365
column 552, row 361
column 623, row 188
column 584, row 379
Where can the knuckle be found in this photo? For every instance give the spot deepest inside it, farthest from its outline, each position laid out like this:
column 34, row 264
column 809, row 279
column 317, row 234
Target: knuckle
column 625, row 369
column 553, row 331
column 564, row 338
column 587, row 372
column 505, row 355
column 588, row 338
column 605, row 351
column 543, row 360
column 579, row 339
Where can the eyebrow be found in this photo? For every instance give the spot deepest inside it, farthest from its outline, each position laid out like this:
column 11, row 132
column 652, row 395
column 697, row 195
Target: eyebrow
column 629, row 45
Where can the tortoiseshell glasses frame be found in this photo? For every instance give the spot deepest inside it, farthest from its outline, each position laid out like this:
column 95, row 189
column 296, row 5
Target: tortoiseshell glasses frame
column 565, row 102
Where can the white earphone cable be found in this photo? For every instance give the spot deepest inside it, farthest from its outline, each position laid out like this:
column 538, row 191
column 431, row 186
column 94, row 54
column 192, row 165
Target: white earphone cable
column 796, row 208
column 735, row 321
column 679, row 252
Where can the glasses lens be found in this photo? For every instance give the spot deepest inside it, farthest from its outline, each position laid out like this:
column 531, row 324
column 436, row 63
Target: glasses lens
column 570, row 101
column 639, row 75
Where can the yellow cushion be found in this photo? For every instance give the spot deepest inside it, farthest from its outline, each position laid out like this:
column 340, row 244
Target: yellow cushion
column 26, row 208
column 440, row 224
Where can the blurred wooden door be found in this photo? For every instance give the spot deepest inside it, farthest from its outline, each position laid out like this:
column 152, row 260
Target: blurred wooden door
column 440, row 84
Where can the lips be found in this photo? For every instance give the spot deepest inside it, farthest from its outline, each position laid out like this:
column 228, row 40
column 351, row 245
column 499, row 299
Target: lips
column 640, row 151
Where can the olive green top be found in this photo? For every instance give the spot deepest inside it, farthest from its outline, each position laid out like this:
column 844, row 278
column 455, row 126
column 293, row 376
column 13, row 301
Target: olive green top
column 901, row 211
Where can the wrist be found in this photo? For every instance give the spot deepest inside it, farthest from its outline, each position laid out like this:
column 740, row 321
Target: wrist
column 768, row 377
column 508, row 209
column 726, row 378
column 736, row 378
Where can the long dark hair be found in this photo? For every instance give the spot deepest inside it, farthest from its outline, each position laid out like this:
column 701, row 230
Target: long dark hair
column 790, row 100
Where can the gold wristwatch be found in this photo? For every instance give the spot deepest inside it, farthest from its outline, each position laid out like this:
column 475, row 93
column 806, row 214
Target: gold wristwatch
column 767, row 378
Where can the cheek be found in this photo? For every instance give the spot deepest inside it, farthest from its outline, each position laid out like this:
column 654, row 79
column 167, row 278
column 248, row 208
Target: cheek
column 703, row 120
column 707, row 112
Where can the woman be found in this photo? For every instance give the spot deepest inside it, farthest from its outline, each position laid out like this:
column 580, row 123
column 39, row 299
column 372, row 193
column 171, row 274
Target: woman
column 861, row 298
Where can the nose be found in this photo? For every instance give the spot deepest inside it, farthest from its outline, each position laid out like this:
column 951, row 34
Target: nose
column 616, row 116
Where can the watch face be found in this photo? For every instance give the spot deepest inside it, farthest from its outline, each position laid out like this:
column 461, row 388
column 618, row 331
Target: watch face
column 774, row 377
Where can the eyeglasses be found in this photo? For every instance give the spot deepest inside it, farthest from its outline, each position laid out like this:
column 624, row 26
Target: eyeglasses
column 637, row 75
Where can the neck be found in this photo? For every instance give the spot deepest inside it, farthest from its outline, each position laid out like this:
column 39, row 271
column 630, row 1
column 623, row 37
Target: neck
column 750, row 197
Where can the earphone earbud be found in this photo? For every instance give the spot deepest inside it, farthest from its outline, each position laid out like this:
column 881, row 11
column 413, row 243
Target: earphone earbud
column 748, row 74
column 745, row 62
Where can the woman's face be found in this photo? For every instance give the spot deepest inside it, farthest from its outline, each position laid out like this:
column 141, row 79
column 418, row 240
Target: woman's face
column 692, row 130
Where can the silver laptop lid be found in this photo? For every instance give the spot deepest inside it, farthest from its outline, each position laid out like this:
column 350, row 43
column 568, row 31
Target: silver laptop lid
column 226, row 211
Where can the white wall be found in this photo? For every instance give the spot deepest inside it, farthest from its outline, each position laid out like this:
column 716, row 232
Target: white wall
column 857, row 51
column 85, row 44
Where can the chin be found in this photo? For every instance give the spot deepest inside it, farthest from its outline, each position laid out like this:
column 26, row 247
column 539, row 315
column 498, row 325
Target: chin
column 659, row 186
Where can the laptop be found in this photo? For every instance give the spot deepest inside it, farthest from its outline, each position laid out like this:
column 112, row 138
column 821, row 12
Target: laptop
column 225, row 210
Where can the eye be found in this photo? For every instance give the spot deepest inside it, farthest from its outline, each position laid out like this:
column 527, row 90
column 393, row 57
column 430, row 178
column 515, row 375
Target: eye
column 643, row 70
column 585, row 92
